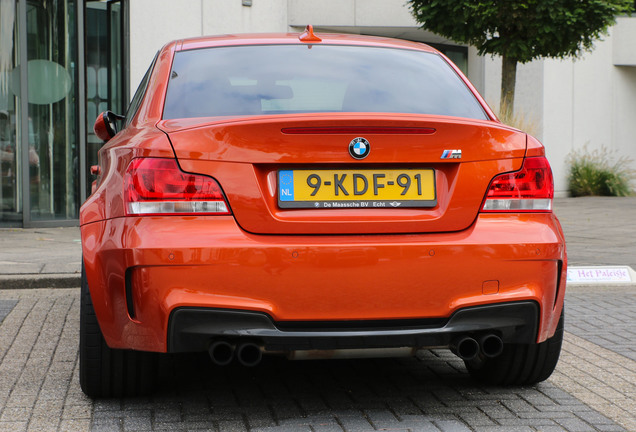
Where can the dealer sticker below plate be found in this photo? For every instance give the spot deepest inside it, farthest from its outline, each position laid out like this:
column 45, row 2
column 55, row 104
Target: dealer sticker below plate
column 362, row 188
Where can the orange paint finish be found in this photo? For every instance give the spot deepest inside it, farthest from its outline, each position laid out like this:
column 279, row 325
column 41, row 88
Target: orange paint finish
column 152, row 105
column 100, row 129
column 490, row 287
column 256, row 210
column 292, row 38
column 534, row 148
column 211, row 262
column 243, row 140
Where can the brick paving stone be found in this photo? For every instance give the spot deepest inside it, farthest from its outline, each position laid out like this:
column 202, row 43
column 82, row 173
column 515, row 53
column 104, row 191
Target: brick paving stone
column 74, row 425
column 512, row 429
column 596, row 317
column 286, row 429
column 6, row 306
column 137, row 423
column 327, row 428
column 13, row 426
column 107, row 424
column 451, row 426
column 609, row 428
column 232, row 426
column 575, row 425
column 43, row 424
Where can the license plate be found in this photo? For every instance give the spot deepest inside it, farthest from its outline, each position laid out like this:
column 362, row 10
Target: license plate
column 363, row 188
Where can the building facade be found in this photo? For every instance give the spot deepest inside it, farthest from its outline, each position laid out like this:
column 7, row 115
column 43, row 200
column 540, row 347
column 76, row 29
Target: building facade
column 60, row 61
column 64, row 61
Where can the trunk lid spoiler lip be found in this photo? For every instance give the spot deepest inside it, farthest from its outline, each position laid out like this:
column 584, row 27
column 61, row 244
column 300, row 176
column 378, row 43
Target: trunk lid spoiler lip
column 177, row 125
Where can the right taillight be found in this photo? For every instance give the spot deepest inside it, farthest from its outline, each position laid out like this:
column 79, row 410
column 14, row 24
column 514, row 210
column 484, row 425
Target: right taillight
column 530, row 189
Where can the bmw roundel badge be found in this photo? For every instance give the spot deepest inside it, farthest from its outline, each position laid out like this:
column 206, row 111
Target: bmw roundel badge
column 359, row 148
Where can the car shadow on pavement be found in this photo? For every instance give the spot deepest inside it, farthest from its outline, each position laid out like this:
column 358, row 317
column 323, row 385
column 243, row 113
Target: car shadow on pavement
column 433, row 392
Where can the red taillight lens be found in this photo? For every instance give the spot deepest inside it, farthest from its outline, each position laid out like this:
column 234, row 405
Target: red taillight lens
column 530, row 189
column 158, row 186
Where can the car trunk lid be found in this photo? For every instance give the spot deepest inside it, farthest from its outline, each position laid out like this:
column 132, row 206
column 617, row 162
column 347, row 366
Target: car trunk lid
column 248, row 156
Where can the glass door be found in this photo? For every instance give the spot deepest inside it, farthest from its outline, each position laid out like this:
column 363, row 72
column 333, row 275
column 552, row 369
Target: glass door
column 10, row 160
column 53, row 145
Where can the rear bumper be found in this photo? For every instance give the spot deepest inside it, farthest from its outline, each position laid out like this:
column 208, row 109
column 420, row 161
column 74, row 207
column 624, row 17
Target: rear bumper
column 141, row 270
column 193, row 329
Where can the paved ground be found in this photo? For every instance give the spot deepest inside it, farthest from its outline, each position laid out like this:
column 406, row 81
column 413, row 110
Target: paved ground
column 593, row 388
column 599, row 230
column 40, row 257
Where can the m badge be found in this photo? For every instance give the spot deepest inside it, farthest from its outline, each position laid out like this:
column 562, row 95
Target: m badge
column 451, row 154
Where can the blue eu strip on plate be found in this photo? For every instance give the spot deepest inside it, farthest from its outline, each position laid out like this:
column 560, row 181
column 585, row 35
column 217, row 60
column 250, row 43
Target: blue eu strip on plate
column 286, row 185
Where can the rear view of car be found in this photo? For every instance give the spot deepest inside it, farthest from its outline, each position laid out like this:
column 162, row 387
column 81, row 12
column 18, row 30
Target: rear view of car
column 300, row 195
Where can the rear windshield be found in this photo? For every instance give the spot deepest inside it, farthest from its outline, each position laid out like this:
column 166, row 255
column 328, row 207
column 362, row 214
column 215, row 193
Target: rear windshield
column 283, row 79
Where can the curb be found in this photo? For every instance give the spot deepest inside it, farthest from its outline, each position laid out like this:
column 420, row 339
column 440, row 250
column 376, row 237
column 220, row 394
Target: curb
column 67, row 280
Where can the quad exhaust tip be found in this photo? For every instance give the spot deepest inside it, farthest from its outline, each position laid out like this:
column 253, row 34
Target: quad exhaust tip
column 250, row 354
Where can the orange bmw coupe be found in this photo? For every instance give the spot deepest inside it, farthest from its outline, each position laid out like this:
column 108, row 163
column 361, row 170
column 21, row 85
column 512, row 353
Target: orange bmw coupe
column 316, row 195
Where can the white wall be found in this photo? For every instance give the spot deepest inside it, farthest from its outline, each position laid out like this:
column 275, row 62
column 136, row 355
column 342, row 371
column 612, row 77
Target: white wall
column 224, row 16
column 589, row 104
column 366, row 13
column 558, row 118
column 153, row 23
column 624, row 47
column 157, row 22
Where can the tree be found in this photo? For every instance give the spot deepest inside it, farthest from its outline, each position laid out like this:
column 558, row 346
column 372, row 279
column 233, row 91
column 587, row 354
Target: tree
column 520, row 30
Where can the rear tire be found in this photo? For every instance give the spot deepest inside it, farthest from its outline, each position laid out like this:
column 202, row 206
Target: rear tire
column 107, row 372
column 520, row 364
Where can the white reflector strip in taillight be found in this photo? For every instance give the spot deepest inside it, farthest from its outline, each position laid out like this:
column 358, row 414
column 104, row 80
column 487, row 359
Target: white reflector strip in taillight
column 154, row 186
column 177, row 207
column 530, row 189
column 524, row 204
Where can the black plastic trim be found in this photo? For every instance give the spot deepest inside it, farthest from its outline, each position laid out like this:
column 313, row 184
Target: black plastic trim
column 191, row 329
column 130, row 306
column 558, row 282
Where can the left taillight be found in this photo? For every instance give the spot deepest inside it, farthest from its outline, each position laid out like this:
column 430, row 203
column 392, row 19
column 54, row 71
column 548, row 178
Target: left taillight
column 530, row 189
column 154, row 186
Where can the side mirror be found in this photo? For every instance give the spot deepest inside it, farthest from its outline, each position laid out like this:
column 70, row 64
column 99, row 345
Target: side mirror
column 105, row 126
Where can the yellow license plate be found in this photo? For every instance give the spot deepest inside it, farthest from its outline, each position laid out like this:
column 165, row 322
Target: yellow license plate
column 361, row 188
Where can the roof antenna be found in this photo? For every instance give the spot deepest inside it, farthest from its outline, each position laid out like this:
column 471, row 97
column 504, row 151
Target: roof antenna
column 308, row 35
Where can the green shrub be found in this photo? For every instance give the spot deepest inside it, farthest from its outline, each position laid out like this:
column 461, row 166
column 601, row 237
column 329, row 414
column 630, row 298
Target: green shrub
column 596, row 173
